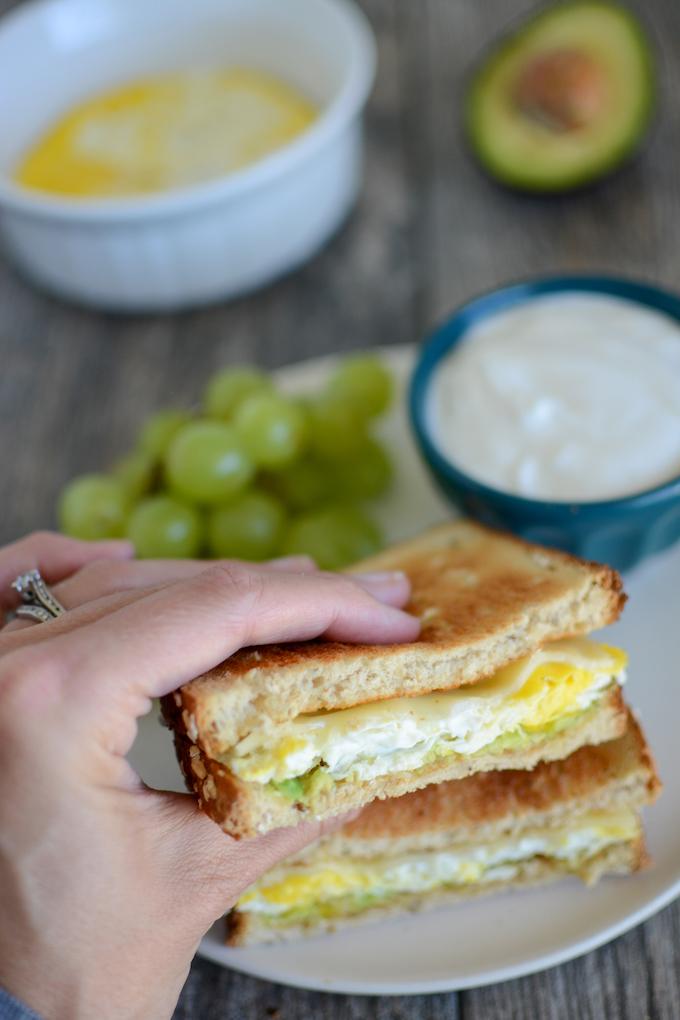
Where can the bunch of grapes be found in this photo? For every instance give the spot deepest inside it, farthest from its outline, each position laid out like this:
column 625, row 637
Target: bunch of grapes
column 255, row 474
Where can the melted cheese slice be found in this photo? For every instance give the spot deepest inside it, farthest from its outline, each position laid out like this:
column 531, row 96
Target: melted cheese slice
column 305, row 885
column 399, row 734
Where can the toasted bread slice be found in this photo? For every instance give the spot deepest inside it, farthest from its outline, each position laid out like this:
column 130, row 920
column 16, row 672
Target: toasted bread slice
column 484, row 598
column 247, row 809
column 475, row 813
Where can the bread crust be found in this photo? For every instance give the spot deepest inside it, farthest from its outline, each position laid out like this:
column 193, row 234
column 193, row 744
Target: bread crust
column 248, row 809
column 484, row 599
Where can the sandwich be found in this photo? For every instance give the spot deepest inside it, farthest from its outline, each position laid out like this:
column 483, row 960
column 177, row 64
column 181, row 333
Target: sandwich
column 490, row 832
column 501, row 677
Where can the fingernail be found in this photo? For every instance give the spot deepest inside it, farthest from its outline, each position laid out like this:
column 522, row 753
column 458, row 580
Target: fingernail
column 382, row 577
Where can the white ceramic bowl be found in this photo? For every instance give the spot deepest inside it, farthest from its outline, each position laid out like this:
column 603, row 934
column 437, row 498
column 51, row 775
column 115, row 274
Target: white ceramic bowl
column 209, row 241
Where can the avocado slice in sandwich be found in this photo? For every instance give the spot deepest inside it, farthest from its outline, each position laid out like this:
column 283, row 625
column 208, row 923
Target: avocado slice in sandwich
column 564, row 99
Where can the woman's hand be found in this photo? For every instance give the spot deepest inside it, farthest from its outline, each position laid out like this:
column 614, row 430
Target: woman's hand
column 106, row 887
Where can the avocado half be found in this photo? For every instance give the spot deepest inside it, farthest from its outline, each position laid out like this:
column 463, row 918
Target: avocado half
column 564, row 99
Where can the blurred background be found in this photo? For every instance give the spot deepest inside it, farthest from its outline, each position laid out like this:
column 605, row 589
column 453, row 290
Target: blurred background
column 429, row 231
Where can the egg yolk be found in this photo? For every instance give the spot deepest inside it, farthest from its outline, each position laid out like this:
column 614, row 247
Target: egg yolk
column 555, row 688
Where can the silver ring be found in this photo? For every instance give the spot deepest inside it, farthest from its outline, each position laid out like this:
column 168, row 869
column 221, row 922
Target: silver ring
column 39, row 604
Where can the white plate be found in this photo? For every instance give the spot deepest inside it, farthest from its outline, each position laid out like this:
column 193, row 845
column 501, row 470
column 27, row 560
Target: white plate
column 501, row 937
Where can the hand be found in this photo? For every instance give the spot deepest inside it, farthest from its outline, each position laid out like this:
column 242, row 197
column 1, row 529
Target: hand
column 106, row 887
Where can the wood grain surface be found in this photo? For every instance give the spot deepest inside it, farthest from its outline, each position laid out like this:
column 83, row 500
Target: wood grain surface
column 430, row 230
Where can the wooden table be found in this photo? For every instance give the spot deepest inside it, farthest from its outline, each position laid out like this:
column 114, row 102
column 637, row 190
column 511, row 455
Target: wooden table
column 430, row 231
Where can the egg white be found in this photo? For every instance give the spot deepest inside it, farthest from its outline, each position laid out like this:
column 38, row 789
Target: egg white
column 399, row 734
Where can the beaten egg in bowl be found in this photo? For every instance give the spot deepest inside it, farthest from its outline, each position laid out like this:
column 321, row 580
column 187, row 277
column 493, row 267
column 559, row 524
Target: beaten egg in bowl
column 165, row 132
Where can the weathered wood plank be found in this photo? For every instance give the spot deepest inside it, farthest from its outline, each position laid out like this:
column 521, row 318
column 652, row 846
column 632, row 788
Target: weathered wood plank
column 212, row 993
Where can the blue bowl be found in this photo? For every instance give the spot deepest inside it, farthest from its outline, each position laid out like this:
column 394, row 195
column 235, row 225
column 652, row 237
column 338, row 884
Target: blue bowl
column 620, row 532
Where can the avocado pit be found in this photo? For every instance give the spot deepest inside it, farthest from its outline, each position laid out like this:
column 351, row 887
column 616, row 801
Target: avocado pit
column 563, row 89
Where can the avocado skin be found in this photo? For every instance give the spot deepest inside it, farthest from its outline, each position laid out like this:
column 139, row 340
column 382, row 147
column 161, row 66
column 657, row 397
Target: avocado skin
column 596, row 167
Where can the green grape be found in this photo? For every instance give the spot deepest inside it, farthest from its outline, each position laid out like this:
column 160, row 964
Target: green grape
column 302, row 485
column 159, row 429
column 206, row 462
column 272, row 428
column 248, row 528
column 334, row 537
column 135, row 472
column 364, row 383
column 227, row 390
column 367, row 476
column 336, row 431
column 93, row 507
column 162, row 527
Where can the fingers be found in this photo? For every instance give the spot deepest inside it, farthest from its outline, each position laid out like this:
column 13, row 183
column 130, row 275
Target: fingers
column 105, row 577
column 20, row 633
column 171, row 635
column 390, row 588
column 55, row 556
column 105, row 586
column 101, row 579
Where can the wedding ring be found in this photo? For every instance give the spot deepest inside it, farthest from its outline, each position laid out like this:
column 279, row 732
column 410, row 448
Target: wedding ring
column 38, row 602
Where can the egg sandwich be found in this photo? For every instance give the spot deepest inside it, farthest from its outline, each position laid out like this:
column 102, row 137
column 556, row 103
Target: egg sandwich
column 501, row 677
column 458, row 839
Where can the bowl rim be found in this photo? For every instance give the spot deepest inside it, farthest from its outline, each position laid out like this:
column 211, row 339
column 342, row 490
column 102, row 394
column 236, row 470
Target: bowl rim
column 343, row 108
column 452, row 330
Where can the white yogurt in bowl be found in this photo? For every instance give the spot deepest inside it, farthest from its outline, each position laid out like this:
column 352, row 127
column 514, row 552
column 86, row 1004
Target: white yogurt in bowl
column 570, row 397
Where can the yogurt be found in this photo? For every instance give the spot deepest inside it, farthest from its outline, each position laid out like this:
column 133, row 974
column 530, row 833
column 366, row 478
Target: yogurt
column 570, row 397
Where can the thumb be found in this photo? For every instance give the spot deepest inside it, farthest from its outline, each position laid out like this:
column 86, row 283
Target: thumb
column 210, row 869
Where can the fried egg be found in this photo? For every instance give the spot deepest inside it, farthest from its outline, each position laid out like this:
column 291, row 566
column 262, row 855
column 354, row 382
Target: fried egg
column 304, row 885
column 527, row 696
